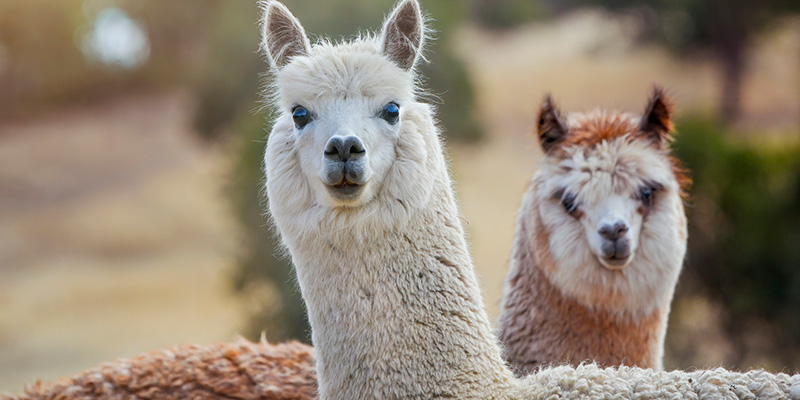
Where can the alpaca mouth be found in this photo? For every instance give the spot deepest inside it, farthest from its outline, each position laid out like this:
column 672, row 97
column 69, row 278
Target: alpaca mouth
column 615, row 254
column 345, row 190
column 614, row 262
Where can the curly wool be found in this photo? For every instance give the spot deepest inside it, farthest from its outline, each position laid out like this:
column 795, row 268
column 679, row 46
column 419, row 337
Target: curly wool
column 245, row 370
column 589, row 381
column 240, row 370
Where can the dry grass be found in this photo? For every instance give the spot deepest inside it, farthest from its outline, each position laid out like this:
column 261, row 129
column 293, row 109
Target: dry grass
column 116, row 238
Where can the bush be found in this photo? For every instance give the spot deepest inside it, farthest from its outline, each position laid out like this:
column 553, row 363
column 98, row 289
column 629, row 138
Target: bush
column 744, row 240
column 264, row 278
column 506, row 14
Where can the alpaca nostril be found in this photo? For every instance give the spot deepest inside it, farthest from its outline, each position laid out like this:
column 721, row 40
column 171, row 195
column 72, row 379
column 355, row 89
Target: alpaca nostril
column 354, row 147
column 357, row 148
column 613, row 231
column 334, row 147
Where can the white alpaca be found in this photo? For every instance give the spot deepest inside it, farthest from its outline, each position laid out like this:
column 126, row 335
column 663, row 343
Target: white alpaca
column 600, row 241
column 359, row 190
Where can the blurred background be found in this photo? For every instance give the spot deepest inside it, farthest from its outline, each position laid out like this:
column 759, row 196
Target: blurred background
column 131, row 142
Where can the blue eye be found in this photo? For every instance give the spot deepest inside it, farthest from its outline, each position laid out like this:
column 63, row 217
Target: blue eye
column 301, row 117
column 391, row 113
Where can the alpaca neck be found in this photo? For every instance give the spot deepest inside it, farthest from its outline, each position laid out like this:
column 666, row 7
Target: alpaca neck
column 398, row 313
column 540, row 325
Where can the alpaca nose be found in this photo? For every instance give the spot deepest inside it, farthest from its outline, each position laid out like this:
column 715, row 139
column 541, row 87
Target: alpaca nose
column 613, row 231
column 344, row 148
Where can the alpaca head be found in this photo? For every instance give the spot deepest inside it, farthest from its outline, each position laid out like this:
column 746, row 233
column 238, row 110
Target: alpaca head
column 610, row 206
column 348, row 129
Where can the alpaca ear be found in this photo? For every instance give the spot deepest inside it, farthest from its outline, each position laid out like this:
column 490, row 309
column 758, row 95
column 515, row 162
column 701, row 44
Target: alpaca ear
column 551, row 126
column 656, row 122
column 282, row 36
column 403, row 34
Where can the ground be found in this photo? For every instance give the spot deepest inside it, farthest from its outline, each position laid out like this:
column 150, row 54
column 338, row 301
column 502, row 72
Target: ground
column 115, row 237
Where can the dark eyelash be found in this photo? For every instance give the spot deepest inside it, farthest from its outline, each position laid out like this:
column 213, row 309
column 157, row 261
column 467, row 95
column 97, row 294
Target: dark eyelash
column 568, row 201
column 647, row 192
column 655, row 186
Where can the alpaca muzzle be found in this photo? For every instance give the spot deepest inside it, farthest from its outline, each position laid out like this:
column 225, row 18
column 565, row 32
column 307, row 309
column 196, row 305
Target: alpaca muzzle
column 616, row 246
column 346, row 169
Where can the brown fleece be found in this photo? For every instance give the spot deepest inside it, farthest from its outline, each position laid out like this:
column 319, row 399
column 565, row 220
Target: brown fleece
column 241, row 370
column 540, row 326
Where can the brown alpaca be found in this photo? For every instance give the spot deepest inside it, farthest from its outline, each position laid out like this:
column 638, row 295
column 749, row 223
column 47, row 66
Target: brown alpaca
column 240, row 370
column 599, row 244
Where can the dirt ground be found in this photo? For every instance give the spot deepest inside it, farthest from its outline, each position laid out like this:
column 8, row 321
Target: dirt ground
column 115, row 237
column 115, row 232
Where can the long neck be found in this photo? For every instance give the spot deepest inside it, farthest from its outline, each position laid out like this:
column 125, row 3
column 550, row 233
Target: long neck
column 540, row 325
column 398, row 313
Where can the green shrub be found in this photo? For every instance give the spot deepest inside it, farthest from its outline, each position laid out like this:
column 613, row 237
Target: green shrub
column 505, row 14
column 263, row 276
column 744, row 238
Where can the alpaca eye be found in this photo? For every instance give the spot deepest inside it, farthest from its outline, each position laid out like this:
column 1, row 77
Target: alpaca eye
column 301, row 117
column 568, row 201
column 391, row 113
column 646, row 195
